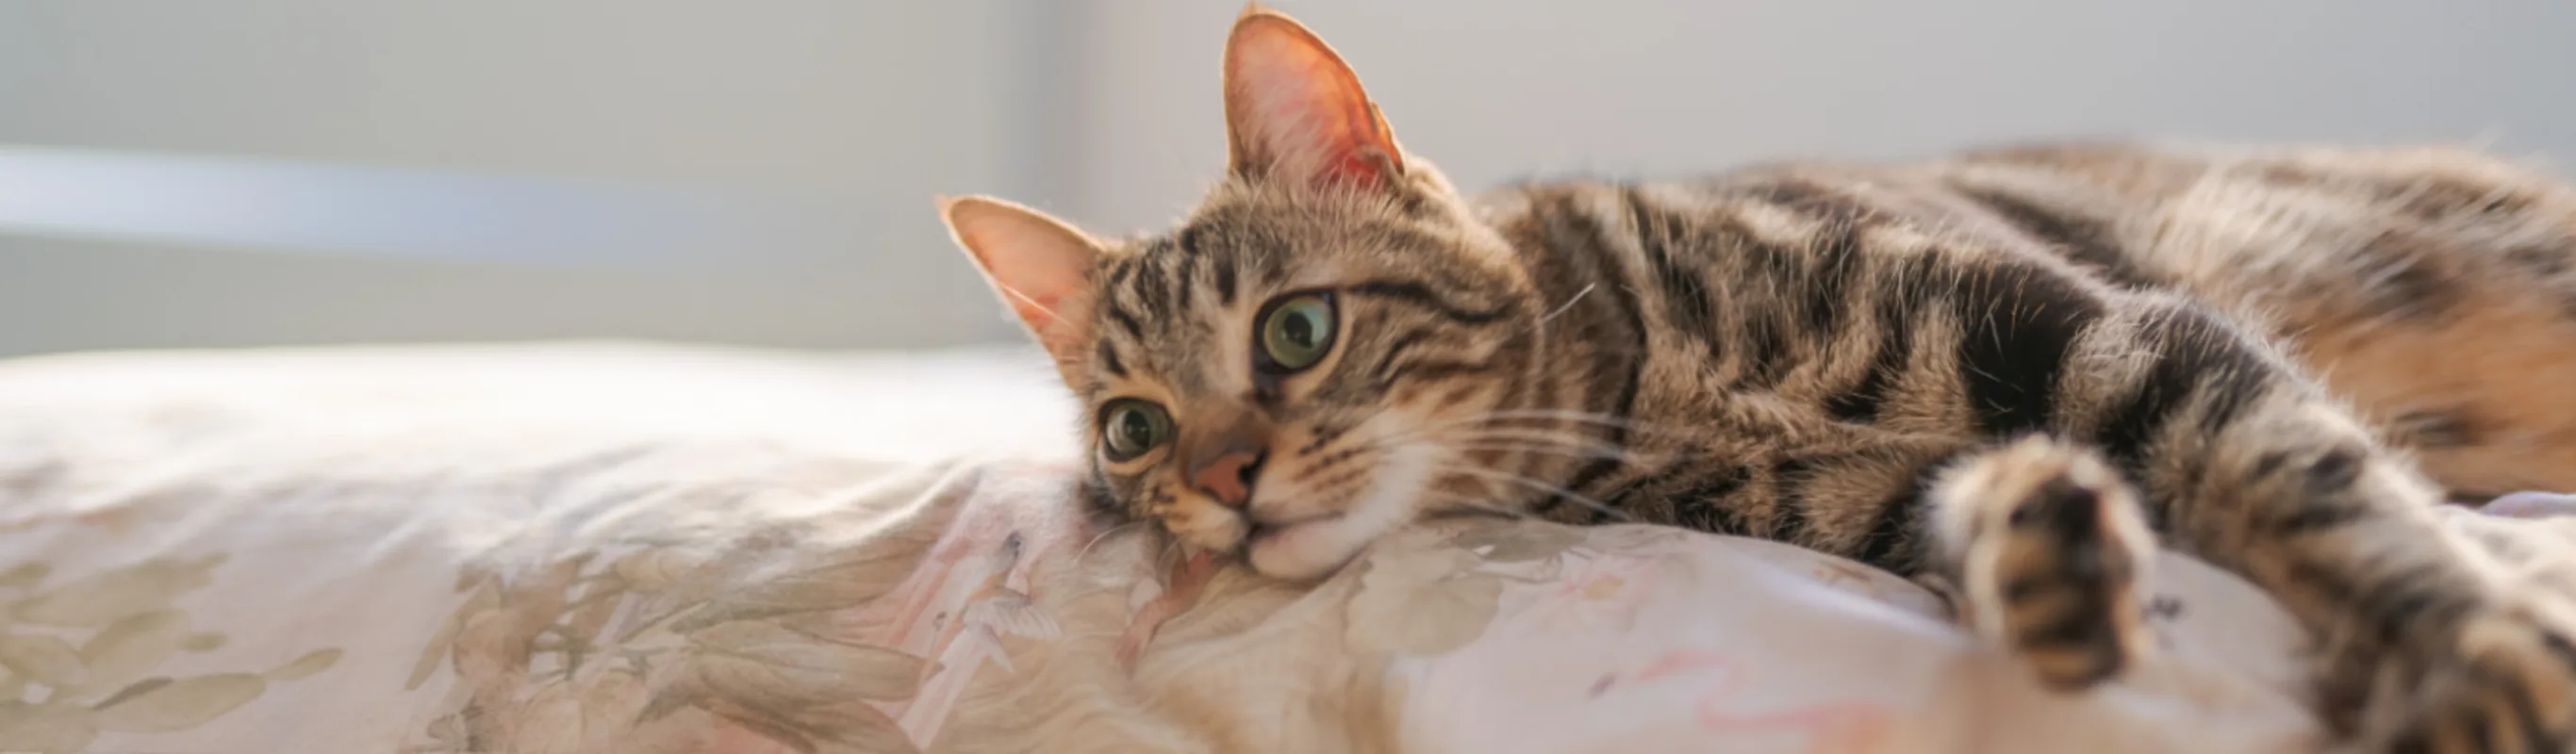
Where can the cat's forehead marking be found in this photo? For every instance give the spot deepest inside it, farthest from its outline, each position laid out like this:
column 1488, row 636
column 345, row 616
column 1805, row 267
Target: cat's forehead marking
column 1167, row 308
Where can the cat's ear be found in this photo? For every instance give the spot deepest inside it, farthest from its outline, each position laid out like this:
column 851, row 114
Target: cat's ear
column 1041, row 266
column 1295, row 111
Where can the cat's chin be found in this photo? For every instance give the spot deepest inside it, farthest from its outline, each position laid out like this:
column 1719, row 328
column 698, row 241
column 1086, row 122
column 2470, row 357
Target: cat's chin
column 1306, row 550
column 1314, row 547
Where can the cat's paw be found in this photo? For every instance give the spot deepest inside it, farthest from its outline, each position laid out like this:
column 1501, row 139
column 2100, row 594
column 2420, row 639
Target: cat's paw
column 2050, row 552
column 2503, row 681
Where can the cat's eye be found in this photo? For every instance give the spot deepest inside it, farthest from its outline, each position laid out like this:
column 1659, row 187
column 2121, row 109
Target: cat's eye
column 1297, row 331
column 1129, row 427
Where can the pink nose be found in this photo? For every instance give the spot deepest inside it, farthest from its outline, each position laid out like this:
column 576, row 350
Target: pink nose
column 1227, row 477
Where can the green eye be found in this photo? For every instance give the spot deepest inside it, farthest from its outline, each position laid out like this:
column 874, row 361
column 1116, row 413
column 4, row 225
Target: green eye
column 1129, row 427
column 1297, row 332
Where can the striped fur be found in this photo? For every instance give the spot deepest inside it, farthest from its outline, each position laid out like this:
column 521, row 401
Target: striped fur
column 2007, row 373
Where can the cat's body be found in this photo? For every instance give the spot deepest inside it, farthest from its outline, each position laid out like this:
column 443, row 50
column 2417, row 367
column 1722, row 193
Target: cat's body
column 1998, row 373
column 1782, row 317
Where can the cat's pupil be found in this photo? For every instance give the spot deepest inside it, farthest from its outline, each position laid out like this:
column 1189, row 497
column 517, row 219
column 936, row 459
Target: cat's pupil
column 1138, row 431
column 1132, row 428
column 1299, row 329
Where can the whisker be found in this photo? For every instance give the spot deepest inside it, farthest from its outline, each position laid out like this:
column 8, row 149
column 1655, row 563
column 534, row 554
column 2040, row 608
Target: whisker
column 1561, row 309
column 1535, row 485
column 1171, row 550
column 1612, row 453
column 1481, row 505
column 1491, row 422
column 1500, row 439
column 1551, row 415
column 1104, row 534
column 1587, row 417
column 1533, row 435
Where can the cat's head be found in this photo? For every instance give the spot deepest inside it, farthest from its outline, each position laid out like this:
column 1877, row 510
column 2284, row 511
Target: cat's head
column 1315, row 356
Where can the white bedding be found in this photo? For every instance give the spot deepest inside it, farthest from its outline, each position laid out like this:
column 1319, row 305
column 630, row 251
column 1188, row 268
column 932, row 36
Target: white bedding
column 620, row 548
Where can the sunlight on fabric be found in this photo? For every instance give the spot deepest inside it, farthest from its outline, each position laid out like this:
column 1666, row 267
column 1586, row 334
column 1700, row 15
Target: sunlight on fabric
column 311, row 208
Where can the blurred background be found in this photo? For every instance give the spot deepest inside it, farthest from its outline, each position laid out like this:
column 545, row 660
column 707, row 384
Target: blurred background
column 264, row 172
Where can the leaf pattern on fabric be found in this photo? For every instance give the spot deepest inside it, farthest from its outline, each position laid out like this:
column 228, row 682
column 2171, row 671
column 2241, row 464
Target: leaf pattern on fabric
column 1421, row 601
column 180, row 704
column 44, row 659
column 129, row 649
column 101, row 682
column 108, row 596
column 593, row 652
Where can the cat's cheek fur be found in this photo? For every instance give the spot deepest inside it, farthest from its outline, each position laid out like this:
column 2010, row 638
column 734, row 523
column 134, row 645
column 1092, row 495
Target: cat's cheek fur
column 1315, row 548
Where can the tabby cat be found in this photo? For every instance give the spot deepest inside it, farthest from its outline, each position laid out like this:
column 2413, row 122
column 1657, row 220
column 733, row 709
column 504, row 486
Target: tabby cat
column 2007, row 374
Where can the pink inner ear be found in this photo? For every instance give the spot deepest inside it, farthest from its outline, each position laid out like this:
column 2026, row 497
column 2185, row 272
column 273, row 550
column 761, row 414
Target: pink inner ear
column 1356, row 167
column 1037, row 263
column 1043, row 311
column 1306, row 112
column 1030, row 309
column 1034, row 277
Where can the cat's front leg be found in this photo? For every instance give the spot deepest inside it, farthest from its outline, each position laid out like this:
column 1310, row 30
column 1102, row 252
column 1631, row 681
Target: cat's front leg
column 2423, row 641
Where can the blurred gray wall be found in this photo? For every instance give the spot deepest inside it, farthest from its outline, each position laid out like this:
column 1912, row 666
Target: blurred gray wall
column 858, row 112
column 851, row 115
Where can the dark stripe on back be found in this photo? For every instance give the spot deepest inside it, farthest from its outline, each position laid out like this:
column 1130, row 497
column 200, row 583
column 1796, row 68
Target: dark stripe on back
column 2408, row 279
column 1898, row 293
column 1704, row 506
column 1837, row 263
column 1765, row 354
column 1887, row 365
column 2087, row 242
column 2434, row 196
column 1811, row 199
column 1686, row 303
column 2019, row 321
column 2194, row 356
column 1825, row 271
column 1789, row 515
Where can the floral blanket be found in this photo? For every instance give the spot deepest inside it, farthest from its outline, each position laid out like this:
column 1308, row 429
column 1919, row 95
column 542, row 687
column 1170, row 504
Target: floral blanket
column 626, row 549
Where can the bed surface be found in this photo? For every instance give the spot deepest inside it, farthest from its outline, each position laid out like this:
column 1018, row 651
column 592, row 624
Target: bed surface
column 638, row 548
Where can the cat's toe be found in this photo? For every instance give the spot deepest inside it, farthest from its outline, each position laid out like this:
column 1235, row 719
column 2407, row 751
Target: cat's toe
column 2506, row 682
column 2055, row 563
column 2069, row 607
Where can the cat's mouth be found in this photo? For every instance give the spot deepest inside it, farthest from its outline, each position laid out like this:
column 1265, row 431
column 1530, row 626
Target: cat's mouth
column 1261, row 531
